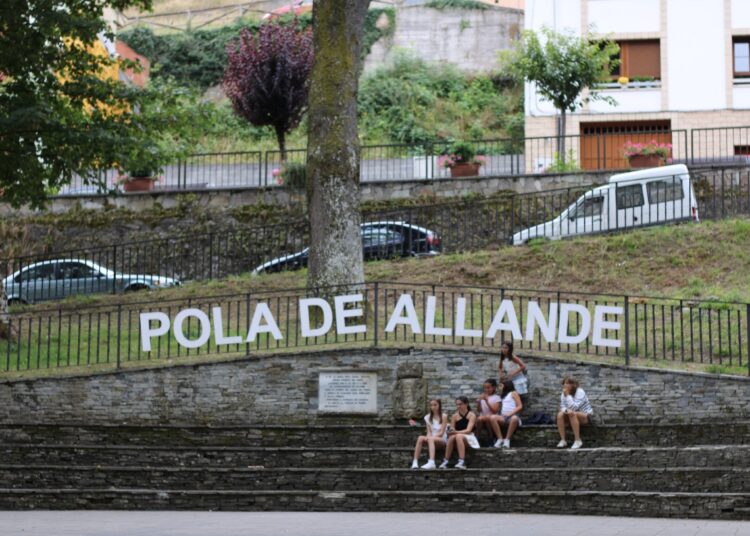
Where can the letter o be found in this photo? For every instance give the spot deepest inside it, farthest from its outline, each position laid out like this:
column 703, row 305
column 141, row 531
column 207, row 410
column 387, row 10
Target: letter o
column 205, row 328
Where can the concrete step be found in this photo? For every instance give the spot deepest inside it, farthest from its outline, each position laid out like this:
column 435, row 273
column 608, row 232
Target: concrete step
column 365, row 457
column 649, row 504
column 513, row 478
column 341, row 435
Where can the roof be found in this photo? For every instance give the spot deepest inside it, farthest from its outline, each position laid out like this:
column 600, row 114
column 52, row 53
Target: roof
column 650, row 173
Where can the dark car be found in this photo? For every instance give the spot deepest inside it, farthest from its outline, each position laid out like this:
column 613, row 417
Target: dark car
column 380, row 240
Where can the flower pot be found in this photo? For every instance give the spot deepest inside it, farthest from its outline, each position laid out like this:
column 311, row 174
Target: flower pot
column 465, row 169
column 645, row 160
column 139, row 184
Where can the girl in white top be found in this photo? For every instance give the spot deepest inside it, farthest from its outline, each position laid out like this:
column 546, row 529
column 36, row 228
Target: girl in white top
column 510, row 414
column 511, row 367
column 575, row 409
column 436, row 434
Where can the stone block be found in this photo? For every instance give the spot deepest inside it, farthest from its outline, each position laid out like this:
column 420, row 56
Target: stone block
column 410, row 398
column 409, row 370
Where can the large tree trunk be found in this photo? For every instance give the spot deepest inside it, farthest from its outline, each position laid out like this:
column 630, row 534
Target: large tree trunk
column 5, row 331
column 333, row 145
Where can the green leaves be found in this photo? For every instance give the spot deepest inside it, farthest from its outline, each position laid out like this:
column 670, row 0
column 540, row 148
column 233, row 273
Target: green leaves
column 562, row 65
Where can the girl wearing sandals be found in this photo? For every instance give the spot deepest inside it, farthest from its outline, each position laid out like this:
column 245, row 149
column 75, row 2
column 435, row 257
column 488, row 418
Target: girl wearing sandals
column 510, row 415
column 575, row 409
column 461, row 433
column 435, row 435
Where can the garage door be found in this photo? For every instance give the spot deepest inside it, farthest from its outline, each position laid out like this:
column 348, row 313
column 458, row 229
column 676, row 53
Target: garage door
column 602, row 143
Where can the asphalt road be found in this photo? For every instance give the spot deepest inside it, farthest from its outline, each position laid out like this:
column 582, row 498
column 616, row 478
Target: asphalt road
column 118, row 523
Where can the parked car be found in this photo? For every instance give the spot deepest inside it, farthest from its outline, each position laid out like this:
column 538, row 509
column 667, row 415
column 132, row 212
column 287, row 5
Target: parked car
column 652, row 196
column 57, row 279
column 380, row 240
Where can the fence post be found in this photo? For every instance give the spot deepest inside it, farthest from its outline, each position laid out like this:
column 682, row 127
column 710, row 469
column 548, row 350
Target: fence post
column 375, row 312
column 747, row 338
column 691, row 159
column 114, row 269
column 119, row 332
column 210, row 255
column 627, row 332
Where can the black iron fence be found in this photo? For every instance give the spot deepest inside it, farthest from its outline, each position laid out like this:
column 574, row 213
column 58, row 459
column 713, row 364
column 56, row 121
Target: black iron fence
column 382, row 314
column 590, row 151
column 462, row 225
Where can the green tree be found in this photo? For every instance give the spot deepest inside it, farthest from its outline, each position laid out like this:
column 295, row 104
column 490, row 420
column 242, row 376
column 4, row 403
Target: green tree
column 61, row 114
column 562, row 66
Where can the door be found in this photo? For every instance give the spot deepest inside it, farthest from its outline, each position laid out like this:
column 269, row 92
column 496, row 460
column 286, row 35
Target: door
column 602, row 143
column 76, row 277
column 630, row 206
column 37, row 283
column 588, row 216
column 667, row 200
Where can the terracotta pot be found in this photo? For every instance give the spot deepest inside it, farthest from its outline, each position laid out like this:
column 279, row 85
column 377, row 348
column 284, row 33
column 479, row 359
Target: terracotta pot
column 138, row 184
column 645, row 160
column 465, row 170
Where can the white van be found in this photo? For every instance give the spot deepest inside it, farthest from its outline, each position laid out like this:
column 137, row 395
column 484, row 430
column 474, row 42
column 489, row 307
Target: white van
column 635, row 199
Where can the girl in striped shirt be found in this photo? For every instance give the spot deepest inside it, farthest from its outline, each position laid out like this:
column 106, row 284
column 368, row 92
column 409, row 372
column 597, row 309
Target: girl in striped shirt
column 575, row 409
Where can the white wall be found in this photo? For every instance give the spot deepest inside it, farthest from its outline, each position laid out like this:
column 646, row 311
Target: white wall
column 629, row 101
column 741, row 14
column 741, row 97
column 558, row 15
column 695, row 48
column 620, row 16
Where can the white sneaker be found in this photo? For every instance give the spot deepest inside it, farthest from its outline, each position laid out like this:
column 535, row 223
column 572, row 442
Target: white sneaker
column 429, row 465
column 460, row 465
column 443, row 465
column 506, row 443
column 415, row 464
column 498, row 444
column 577, row 444
column 562, row 444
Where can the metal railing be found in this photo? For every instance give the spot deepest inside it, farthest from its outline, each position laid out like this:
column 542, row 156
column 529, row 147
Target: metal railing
column 384, row 314
column 403, row 162
column 463, row 225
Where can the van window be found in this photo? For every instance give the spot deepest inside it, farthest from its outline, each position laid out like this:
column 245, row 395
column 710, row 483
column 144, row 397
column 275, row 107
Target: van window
column 629, row 196
column 591, row 206
column 666, row 190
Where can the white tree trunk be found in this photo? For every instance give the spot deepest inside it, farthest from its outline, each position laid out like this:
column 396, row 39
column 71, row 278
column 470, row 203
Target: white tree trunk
column 5, row 331
column 333, row 144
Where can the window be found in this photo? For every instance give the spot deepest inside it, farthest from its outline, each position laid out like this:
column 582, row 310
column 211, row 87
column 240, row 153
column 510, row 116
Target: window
column 591, row 206
column 639, row 60
column 75, row 270
column 380, row 236
column 741, row 53
column 629, row 196
column 45, row 271
column 666, row 190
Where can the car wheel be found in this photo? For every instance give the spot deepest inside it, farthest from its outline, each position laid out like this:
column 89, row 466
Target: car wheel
column 16, row 301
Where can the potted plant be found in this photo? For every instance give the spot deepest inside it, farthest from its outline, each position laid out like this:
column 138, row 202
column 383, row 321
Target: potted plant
column 645, row 155
column 142, row 163
column 462, row 159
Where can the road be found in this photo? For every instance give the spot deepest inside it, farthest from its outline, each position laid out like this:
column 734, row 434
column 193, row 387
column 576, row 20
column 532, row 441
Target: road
column 118, row 523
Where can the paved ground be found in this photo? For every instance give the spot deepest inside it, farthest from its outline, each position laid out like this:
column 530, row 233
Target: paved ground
column 98, row 523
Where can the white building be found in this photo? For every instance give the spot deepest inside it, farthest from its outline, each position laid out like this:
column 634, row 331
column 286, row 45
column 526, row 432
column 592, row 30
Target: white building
column 688, row 65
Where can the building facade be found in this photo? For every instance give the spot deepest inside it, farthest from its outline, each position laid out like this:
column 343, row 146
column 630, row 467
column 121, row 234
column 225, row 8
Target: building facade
column 684, row 73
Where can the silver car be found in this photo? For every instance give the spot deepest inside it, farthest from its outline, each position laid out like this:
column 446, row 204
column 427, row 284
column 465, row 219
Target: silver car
column 57, row 279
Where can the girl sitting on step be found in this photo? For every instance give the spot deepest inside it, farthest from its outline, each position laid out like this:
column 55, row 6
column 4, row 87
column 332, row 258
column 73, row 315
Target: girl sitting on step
column 510, row 414
column 461, row 433
column 575, row 409
column 436, row 434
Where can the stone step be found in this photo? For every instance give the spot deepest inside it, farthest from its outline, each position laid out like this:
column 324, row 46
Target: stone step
column 332, row 435
column 365, row 457
column 510, row 479
column 648, row 504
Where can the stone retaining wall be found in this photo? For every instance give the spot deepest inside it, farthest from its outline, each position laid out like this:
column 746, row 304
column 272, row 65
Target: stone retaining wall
column 284, row 388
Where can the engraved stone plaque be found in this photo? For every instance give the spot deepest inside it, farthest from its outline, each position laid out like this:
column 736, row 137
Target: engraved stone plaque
column 348, row 392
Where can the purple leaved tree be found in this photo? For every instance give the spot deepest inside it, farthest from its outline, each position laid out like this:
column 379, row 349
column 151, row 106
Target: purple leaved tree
column 267, row 76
